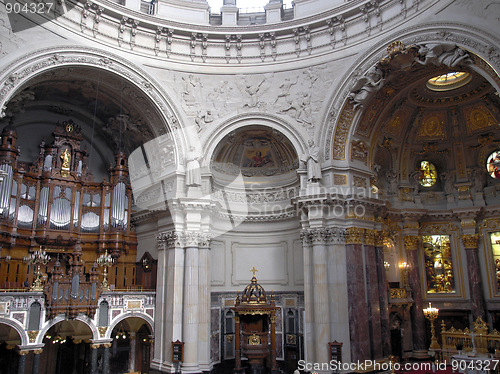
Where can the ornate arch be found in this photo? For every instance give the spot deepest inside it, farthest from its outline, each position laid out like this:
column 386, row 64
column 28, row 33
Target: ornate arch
column 29, row 66
column 147, row 318
column 61, row 318
column 298, row 139
column 345, row 117
column 19, row 329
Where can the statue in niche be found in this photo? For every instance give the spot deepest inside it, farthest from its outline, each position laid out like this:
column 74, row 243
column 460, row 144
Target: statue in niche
column 442, row 54
column 66, row 160
column 193, row 171
column 415, row 177
column 365, row 86
column 447, row 180
column 478, row 180
column 311, row 159
column 392, row 181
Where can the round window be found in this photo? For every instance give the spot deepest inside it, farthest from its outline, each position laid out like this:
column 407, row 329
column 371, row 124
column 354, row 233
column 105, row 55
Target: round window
column 428, row 176
column 493, row 165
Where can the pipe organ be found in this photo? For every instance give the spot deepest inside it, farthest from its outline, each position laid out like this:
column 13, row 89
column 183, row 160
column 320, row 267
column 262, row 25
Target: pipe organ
column 54, row 204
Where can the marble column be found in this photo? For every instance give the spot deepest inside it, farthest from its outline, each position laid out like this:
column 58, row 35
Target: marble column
column 373, row 294
column 417, row 314
column 204, row 302
column 337, row 290
column 308, row 297
column 358, row 310
column 320, row 295
column 131, row 356
column 36, row 360
column 475, row 285
column 169, row 298
column 21, row 366
column 191, row 312
column 93, row 358
column 105, row 360
column 383, row 294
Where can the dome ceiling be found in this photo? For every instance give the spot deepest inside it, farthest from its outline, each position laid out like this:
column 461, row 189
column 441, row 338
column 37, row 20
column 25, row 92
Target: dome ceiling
column 255, row 151
column 422, row 115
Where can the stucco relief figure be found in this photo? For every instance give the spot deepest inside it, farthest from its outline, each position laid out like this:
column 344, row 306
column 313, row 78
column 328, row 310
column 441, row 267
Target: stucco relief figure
column 193, row 171
column 365, row 86
column 415, row 177
column 311, row 159
column 442, row 54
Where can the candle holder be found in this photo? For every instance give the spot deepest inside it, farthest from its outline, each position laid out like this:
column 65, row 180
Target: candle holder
column 431, row 314
column 105, row 260
column 37, row 258
column 404, row 266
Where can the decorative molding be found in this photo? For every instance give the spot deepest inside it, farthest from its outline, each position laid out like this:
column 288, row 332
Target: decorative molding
column 102, row 331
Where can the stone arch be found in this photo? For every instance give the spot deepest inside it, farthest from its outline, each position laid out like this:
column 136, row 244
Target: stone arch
column 61, row 318
column 298, row 140
column 344, row 117
column 18, row 328
column 27, row 68
column 147, row 319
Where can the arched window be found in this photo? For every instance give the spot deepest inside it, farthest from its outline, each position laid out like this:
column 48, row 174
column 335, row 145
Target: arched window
column 34, row 316
column 103, row 314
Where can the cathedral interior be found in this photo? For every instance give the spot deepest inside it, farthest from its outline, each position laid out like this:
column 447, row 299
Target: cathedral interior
column 191, row 189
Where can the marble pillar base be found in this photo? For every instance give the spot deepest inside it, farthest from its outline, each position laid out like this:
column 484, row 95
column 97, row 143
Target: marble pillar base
column 420, row 354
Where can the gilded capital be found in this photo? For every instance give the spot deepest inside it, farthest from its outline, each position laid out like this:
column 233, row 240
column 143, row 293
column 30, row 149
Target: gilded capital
column 470, row 241
column 411, row 242
column 354, row 235
column 95, row 346
column 371, row 237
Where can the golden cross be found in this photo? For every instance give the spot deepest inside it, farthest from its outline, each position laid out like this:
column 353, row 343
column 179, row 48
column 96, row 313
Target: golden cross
column 253, row 270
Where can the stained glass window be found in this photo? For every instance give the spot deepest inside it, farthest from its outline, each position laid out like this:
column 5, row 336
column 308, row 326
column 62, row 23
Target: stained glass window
column 428, row 176
column 495, row 246
column 438, row 264
column 493, row 165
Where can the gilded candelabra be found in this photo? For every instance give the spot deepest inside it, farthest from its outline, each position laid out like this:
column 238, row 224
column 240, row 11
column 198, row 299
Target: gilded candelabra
column 105, row 260
column 37, row 258
column 431, row 314
column 404, row 266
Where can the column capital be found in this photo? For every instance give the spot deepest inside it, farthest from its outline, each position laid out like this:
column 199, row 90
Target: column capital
column 94, row 346
column 411, row 242
column 106, row 345
column 323, row 235
column 371, row 237
column 170, row 239
column 37, row 351
column 354, row 235
column 470, row 241
column 22, row 353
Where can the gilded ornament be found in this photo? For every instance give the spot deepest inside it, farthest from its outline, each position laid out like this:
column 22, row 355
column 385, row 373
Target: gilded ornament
column 254, row 340
column 411, row 242
column 470, row 241
column 371, row 236
column 102, row 330
column 32, row 335
column 354, row 235
column 340, row 179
